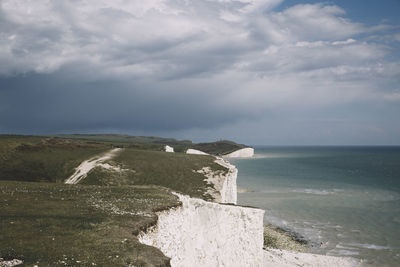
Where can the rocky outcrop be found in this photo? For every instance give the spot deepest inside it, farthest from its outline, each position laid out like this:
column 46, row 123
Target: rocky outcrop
column 201, row 233
column 195, row 152
column 169, row 149
column 228, row 189
column 247, row 152
column 85, row 167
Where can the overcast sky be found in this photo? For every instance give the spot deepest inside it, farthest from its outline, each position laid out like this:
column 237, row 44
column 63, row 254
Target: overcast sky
column 270, row 72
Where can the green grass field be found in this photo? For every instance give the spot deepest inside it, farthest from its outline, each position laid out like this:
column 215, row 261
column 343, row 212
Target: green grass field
column 94, row 223
column 172, row 170
column 218, row 148
column 43, row 159
column 221, row 147
column 73, row 225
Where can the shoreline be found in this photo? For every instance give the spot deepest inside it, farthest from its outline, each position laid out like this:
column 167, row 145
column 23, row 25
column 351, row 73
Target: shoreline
column 204, row 243
column 279, row 238
column 285, row 247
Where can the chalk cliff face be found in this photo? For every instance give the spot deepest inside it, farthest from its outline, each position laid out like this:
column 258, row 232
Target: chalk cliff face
column 247, row 152
column 169, row 149
column 195, row 152
column 228, row 191
column 203, row 233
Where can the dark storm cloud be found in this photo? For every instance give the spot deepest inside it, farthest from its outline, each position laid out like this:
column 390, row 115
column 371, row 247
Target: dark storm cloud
column 51, row 103
column 185, row 66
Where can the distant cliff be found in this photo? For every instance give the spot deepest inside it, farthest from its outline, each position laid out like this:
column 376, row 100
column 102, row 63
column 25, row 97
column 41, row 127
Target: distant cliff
column 247, row 152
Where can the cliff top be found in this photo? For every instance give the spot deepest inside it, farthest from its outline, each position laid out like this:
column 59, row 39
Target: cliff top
column 48, row 223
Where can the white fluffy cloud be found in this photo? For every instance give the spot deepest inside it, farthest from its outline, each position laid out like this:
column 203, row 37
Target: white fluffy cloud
column 162, row 38
column 236, row 52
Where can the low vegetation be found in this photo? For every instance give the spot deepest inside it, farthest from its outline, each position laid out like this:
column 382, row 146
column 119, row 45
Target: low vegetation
column 43, row 159
column 136, row 142
column 221, row 147
column 173, row 170
column 218, row 148
column 95, row 223
column 278, row 238
column 63, row 225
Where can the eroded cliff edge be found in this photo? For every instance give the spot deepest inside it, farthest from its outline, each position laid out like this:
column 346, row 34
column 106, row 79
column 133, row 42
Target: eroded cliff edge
column 201, row 233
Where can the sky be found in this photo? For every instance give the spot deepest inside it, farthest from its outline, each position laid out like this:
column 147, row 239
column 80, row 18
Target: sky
column 261, row 72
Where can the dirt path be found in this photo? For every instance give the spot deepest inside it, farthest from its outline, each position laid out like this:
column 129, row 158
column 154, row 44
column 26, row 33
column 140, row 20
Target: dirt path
column 84, row 168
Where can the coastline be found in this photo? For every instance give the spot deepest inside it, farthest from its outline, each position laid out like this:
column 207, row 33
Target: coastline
column 173, row 234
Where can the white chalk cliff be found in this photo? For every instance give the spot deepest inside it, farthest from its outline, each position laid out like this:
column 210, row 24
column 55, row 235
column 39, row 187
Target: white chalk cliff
column 195, row 152
column 228, row 190
column 169, row 149
column 247, row 152
column 222, row 184
column 201, row 233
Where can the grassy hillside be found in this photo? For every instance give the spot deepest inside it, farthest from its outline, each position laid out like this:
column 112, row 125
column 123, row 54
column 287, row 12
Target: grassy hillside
column 218, row 148
column 31, row 158
column 137, row 142
column 172, row 170
column 47, row 223
column 157, row 143
column 96, row 222
column 59, row 225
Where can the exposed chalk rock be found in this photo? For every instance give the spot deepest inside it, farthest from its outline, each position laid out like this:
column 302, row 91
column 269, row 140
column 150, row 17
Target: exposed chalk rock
column 223, row 183
column 85, row 167
column 195, row 152
column 228, row 190
column 169, row 149
column 247, row 152
column 10, row 263
column 201, row 233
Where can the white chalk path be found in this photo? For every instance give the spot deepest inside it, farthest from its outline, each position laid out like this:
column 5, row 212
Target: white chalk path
column 84, row 168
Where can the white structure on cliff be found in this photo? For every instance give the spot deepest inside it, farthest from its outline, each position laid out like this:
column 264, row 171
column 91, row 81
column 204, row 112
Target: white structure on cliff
column 247, row 152
column 195, row 152
column 169, row 149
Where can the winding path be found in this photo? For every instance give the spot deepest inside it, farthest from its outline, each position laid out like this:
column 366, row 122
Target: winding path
column 84, row 168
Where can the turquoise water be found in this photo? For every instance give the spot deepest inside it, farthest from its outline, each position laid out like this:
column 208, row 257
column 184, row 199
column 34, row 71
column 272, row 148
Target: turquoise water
column 344, row 200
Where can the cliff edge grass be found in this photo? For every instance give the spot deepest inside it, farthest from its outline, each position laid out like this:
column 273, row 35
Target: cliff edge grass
column 221, row 147
column 62, row 225
column 177, row 171
column 41, row 159
column 96, row 222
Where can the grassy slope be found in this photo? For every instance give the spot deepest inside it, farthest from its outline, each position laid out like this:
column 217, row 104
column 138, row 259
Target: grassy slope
column 157, row 143
column 219, row 147
column 25, row 158
column 137, row 142
column 172, row 170
column 61, row 225
column 55, row 224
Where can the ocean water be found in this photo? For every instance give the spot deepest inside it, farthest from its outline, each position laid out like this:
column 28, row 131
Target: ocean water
column 344, row 200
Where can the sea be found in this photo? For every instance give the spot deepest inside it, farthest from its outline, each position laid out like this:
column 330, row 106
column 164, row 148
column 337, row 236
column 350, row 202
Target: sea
column 345, row 201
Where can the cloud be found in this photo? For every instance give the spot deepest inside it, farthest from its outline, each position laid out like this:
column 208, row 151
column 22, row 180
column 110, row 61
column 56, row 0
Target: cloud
column 206, row 62
column 158, row 38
